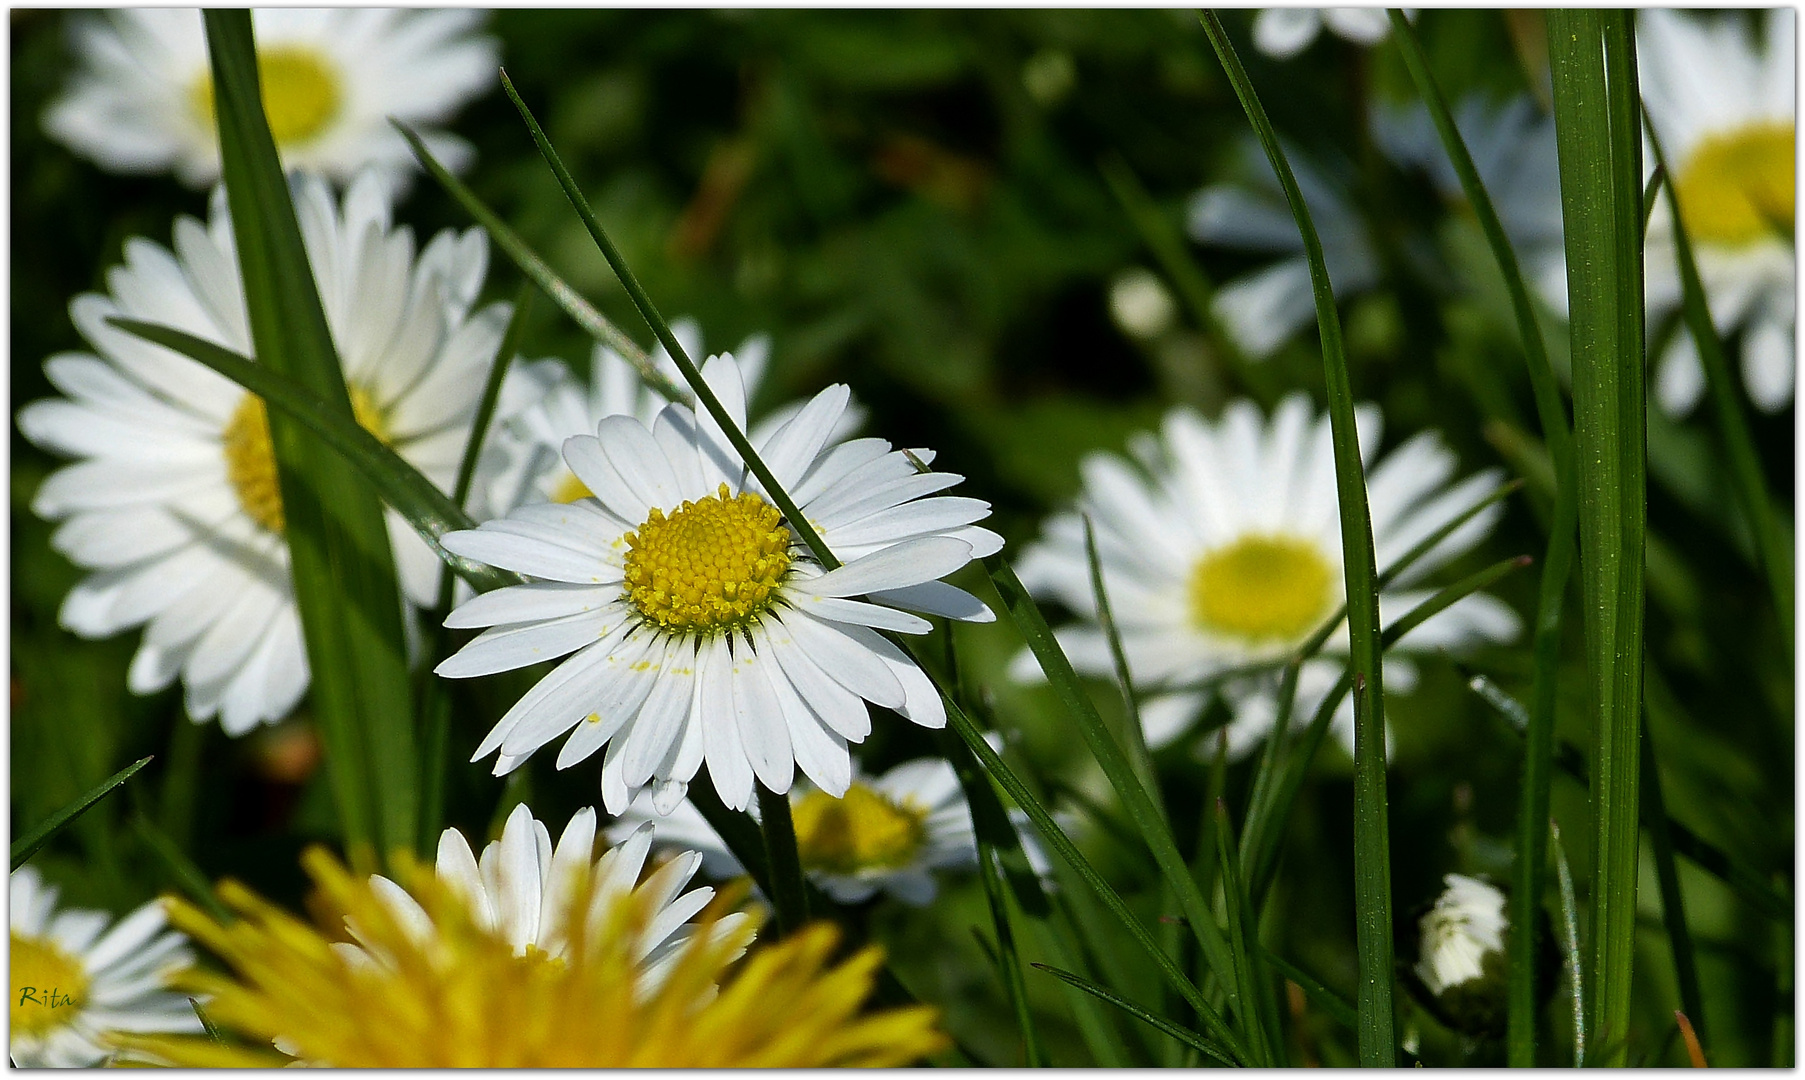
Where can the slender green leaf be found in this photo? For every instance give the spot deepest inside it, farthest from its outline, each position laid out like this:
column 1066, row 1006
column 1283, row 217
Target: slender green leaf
column 1599, row 138
column 1132, row 737
column 541, row 274
column 1252, row 982
column 1008, row 963
column 1772, row 542
column 1574, row 959
column 181, row 870
column 26, row 846
column 1673, row 906
column 789, row 889
column 1166, row 1027
column 207, row 1023
column 341, row 561
column 428, row 510
column 1338, row 1007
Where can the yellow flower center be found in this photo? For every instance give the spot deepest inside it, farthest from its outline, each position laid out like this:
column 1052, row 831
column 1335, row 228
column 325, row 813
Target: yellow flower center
column 570, row 489
column 49, row 986
column 713, row 564
column 866, row 830
column 251, row 456
column 1737, row 188
column 301, row 93
column 1262, row 588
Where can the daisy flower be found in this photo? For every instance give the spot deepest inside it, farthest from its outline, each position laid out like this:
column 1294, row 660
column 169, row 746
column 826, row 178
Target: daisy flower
column 547, row 405
column 1460, row 955
column 887, row 833
column 521, row 889
column 174, row 504
column 702, row 628
column 1723, row 106
column 1264, row 308
column 1224, row 551
column 142, row 99
column 786, row 1005
column 1283, row 32
column 76, row 983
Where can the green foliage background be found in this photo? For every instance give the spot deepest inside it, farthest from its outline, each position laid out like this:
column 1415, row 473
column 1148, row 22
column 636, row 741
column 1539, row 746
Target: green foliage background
column 886, row 196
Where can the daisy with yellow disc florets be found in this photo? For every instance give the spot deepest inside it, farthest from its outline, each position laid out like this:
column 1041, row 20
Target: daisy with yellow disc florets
column 174, row 504
column 78, row 979
column 440, row 987
column 142, row 99
column 1223, row 551
column 702, row 629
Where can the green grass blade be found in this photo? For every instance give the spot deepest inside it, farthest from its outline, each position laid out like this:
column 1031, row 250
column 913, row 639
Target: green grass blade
column 181, row 870
column 1158, row 1023
column 1372, row 842
column 1673, row 905
column 430, row 511
column 1252, row 982
column 485, row 406
column 1772, row 542
column 207, row 1023
column 1147, row 820
column 537, row 270
column 1599, row 140
column 1339, row 1008
column 1132, row 737
column 1574, row 959
column 341, row 561
column 789, row 889
column 26, row 846
column 1009, row 964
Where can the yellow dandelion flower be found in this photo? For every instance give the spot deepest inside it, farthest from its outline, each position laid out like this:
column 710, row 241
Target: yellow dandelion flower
column 460, row 995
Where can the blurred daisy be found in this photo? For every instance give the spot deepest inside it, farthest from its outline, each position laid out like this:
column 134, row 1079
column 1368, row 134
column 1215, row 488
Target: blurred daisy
column 174, row 504
column 76, row 983
column 1226, row 551
column 142, row 100
column 1460, row 955
column 1264, row 308
column 702, row 628
column 521, row 889
column 547, row 405
column 455, row 992
column 1723, row 106
column 1283, row 32
column 887, row 833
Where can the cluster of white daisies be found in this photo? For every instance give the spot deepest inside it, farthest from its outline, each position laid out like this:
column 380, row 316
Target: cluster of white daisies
column 690, row 623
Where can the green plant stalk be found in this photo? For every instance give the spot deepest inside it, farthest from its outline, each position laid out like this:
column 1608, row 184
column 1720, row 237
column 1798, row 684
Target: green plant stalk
column 1132, row 737
column 1253, row 982
column 1673, row 905
column 181, row 869
column 181, row 778
column 1529, row 871
column 342, row 565
column 1599, row 141
column 1063, row 846
column 1771, row 540
column 584, row 314
column 789, row 895
column 27, row 845
column 1372, row 842
column 662, row 330
column 1338, row 1008
column 1575, row 960
column 738, row 831
column 428, row 510
column 1147, row 820
column 1009, row 964
column 1158, row 1023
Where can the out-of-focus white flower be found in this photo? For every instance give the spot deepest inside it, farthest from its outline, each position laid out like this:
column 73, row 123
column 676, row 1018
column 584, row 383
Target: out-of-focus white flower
column 142, row 99
column 1141, row 304
column 1723, row 106
column 78, row 977
column 1283, row 32
column 175, row 506
column 1224, row 550
column 1460, row 954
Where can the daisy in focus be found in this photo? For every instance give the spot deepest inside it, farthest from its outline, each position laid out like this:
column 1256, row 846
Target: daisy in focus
column 174, row 504
column 702, row 628
column 546, row 405
column 1223, row 550
column 455, row 992
column 521, row 890
column 1283, row 32
column 887, row 833
column 76, row 982
column 1723, row 107
column 142, row 100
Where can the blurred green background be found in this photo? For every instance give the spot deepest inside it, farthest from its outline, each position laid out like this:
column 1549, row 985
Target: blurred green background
column 912, row 202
